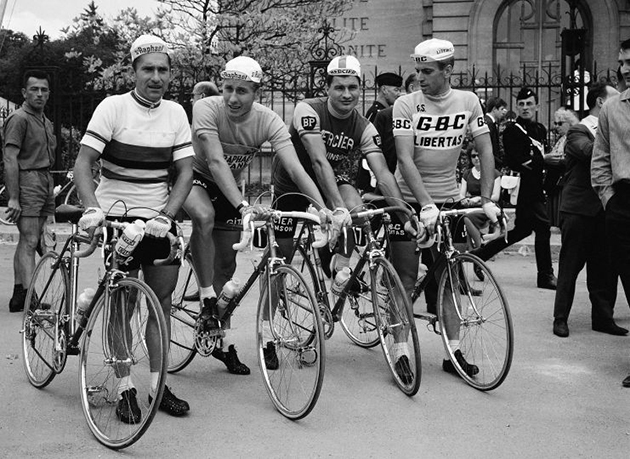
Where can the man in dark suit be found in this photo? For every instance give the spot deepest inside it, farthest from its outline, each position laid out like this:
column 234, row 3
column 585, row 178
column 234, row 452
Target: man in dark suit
column 584, row 228
column 388, row 86
column 496, row 108
column 525, row 144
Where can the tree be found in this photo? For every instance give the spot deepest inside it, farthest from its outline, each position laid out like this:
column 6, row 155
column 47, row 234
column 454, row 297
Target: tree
column 277, row 33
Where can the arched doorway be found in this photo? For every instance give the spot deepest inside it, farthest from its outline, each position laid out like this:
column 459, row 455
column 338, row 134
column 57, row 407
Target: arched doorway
column 528, row 34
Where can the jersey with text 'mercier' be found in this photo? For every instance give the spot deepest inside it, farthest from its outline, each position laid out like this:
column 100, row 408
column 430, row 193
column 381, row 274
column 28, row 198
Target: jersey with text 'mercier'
column 438, row 126
column 347, row 140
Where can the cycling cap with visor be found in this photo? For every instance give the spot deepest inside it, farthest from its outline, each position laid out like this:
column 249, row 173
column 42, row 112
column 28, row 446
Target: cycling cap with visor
column 344, row 66
column 433, row 50
column 243, row 68
column 146, row 44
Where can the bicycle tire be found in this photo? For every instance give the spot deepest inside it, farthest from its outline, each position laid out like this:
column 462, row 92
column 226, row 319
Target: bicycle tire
column 486, row 336
column 302, row 261
column 288, row 320
column 111, row 348
column 185, row 308
column 396, row 326
column 72, row 196
column 42, row 325
column 357, row 314
column 4, row 198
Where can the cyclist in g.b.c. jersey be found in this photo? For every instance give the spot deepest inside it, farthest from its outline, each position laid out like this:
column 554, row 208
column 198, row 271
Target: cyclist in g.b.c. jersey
column 429, row 129
column 228, row 131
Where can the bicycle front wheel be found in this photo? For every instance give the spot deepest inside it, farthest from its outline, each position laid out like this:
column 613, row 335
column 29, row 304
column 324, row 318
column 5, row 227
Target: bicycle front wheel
column 184, row 312
column 476, row 322
column 396, row 326
column 44, row 335
column 116, row 367
column 290, row 343
column 357, row 314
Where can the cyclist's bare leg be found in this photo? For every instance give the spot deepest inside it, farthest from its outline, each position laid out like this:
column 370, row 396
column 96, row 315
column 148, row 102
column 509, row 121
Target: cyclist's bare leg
column 201, row 211
column 162, row 280
column 346, row 243
column 225, row 257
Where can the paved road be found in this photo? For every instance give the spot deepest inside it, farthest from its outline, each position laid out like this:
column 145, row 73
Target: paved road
column 563, row 397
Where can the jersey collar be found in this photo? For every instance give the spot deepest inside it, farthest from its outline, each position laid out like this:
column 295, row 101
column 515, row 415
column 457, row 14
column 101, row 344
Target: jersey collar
column 144, row 102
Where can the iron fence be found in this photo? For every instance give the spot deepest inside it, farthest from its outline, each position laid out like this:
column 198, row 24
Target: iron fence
column 553, row 90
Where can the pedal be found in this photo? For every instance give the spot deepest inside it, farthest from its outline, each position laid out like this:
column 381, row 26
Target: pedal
column 432, row 320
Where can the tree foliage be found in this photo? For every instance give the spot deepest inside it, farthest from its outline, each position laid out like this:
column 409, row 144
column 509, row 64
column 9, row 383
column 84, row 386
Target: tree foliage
column 277, row 33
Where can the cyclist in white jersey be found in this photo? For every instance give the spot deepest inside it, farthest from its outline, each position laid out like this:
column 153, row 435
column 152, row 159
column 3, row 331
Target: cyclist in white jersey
column 429, row 130
column 228, row 132
column 136, row 136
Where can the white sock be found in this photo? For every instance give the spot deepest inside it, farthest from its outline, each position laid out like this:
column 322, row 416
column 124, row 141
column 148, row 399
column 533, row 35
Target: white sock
column 155, row 375
column 400, row 349
column 454, row 345
column 207, row 292
column 125, row 384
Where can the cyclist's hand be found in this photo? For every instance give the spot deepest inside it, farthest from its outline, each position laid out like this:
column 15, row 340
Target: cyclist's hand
column 428, row 217
column 492, row 211
column 340, row 220
column 91, row 218
column 158, row 226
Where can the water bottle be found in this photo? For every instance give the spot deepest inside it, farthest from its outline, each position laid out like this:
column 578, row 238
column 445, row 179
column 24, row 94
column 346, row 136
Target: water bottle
column 341, row 279
column 230, row 289
column 84, row 300
column 130, row 238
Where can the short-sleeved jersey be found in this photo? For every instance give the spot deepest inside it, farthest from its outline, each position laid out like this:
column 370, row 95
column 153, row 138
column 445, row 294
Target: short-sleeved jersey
column 138, row 141
column 438, row 126
column 347, row 139
column 241, row 140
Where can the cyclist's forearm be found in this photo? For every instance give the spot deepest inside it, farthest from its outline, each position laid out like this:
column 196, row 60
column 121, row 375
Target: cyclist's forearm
column 181, row 188
column 83, row 178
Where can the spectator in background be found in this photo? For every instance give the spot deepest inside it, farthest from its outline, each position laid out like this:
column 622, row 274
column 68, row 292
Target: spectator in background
column 525, row 144
column 383, row 123
column 554, row 162
column 583, row 228
column 496, row 108
column 470, row 195
column 29, row 153
column 203, row 89
column 610, row 175
column 389, row 86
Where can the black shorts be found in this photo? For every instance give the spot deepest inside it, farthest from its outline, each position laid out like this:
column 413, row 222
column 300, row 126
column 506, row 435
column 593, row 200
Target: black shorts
column 224, row 212
column 285, row 228
column 398, row 233
column 149, row 249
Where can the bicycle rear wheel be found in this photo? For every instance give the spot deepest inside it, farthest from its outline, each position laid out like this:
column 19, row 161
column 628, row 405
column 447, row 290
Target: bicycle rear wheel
column 484, row 331
column 290, row 343
column 396, row 326
column 42, row 326
column 114, row 353
column 4, row 199
column 357, row 315
column 184, row 312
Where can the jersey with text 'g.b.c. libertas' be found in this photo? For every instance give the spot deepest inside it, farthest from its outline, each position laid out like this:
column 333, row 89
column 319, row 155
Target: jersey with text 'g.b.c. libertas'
column 348, row 140
column 439, row 126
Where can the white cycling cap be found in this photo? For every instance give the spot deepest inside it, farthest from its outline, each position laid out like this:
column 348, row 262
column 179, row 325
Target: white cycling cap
column 243, row 68
column 146, row 44
column 344, row 66
column 433, row 50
